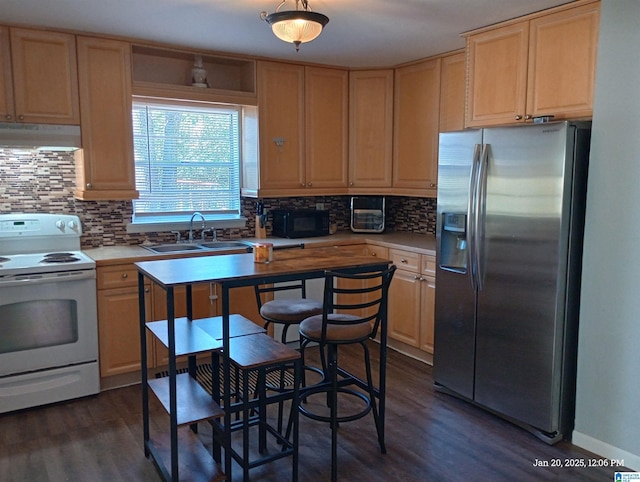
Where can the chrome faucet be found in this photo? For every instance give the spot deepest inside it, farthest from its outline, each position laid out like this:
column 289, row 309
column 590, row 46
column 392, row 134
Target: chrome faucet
column 191, row 224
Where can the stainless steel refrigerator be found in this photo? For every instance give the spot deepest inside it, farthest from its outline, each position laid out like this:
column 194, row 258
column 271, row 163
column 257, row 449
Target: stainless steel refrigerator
column 509, row 253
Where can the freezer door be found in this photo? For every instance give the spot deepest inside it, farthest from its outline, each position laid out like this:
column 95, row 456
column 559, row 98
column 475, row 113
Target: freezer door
column 520, row 312
column 455, row 299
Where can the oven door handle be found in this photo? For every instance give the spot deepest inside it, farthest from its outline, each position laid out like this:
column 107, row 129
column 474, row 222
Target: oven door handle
column 36, row 279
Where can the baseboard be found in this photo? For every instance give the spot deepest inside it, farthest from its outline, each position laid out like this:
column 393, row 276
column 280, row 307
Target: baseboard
column 631, row 461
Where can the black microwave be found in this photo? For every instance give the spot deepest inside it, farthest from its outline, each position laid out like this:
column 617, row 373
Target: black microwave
column 303, row 223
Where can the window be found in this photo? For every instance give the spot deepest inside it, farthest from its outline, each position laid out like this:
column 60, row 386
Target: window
column 187, row 158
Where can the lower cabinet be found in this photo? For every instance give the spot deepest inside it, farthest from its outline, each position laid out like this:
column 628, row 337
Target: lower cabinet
column 118, row 319
column 411, row 303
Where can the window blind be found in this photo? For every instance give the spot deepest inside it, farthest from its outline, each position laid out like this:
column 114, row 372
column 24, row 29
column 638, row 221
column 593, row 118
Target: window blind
column 186, row 158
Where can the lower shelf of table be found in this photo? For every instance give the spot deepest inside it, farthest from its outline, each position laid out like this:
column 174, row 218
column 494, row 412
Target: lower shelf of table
column 195, row 463
column 194, row 404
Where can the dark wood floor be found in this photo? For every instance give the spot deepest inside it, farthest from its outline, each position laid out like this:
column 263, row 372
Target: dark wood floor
column 430, row 437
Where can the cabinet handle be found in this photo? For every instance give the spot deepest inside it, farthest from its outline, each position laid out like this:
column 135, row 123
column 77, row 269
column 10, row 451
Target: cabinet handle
column 527, row 117
column 146, row 290
column 518, row 117
column 302, row 184
column 89, row 185
column 351, row 184
column 309, row 185
column 417, row 278
column 8, row 116
column 125, row 275
column 433, row 184
column 21, row 117
column 374, row 254
column 404, row 261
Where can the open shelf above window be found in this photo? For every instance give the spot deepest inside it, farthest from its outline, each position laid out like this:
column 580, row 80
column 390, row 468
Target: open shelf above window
column 168, row 73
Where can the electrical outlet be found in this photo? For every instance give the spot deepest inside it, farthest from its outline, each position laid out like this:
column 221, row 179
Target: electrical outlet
column 320, row 206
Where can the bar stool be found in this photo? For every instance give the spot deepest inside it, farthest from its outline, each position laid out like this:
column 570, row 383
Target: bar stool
column 354, row 307
column 286, row 312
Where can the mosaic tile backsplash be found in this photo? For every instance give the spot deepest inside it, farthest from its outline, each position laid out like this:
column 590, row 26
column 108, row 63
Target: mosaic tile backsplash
column 33, row 181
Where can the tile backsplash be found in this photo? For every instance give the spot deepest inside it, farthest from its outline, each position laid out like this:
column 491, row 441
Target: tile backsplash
column 32, row 181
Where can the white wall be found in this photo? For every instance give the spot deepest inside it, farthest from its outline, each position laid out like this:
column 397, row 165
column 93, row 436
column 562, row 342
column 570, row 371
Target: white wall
column 608, row 384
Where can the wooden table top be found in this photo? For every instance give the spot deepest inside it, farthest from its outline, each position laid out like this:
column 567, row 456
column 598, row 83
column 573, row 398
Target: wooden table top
column 241, row 269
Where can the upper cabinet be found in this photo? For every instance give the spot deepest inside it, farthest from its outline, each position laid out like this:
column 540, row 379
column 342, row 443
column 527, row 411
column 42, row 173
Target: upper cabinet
column 39, row 81
column 326, row 121
column 105, row 166
column 370, row 129
column 416, row 120
column 303, row 131
column 541, row 65
column 452, row 92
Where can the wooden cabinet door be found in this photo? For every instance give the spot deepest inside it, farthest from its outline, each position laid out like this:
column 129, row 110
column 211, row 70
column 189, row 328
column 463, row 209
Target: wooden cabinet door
column 326, row 135
column 45, row 77
column 7, row 110
column 562, row 63
column 119, row 331
column 105, row 166
column 404, row 307
column 416, row 117
column 427, row 311
column 497, row 69
column 370, row 128
column 452, row 92
column 281, row 123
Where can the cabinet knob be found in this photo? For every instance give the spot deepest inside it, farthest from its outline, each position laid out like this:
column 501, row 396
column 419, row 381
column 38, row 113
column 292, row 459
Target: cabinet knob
column 125, row 275
column 20, row 117
column 374, row 254
column 302, row 184
column 518, row 117
column 8, row 116
column 351, row 184
column 89, row 185
column 309, row 185
column 146, row 290
column 527, row 117
column 433, row 184
column 403, row 261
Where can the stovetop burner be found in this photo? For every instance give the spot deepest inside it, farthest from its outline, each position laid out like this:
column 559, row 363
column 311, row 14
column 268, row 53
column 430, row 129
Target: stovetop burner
column 60, row 258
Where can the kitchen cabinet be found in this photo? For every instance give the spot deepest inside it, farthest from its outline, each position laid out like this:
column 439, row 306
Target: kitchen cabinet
column 452, row 92
column 105, row 165
column 303, row 130
column 411, row 302
column 370, row 130
column 39, row 77
column 416, row 120
column 541, row 65
column 118, row 320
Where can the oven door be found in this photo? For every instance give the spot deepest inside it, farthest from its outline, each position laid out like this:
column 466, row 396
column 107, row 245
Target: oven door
column 47, row 320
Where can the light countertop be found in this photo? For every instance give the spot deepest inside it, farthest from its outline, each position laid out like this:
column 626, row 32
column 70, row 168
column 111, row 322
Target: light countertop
column 418, row 243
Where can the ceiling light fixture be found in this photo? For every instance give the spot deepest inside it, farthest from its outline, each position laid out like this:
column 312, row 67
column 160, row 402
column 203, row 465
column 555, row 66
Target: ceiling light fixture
column 296, row 26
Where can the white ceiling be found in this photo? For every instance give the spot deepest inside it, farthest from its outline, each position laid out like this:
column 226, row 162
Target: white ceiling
column 360, row 33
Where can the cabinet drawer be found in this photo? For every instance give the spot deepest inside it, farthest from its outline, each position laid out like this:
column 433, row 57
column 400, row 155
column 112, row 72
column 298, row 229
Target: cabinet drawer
column 428, row 265
column 117, row 276
column 377, row 251
column 405, row 259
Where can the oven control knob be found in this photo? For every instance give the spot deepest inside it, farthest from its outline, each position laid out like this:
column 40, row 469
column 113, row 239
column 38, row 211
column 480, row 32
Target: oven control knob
column 72, row 225
column 60, row 225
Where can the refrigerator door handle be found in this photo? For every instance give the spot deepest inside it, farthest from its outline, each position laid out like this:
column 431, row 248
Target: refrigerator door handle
column 471, row 217
column 479, row 215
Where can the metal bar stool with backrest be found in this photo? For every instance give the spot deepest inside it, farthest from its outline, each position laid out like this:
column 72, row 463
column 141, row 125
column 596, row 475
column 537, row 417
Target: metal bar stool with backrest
column 354, row 307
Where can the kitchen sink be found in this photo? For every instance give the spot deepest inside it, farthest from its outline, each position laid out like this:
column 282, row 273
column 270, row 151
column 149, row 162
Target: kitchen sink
column 173, row 247
column 226, row 245
column 208, row 246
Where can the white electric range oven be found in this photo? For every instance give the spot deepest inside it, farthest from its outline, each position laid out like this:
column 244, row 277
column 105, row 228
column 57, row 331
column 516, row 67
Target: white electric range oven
column 48, row 312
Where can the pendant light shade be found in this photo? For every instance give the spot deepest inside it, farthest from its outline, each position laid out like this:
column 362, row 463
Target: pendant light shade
column 296, row 26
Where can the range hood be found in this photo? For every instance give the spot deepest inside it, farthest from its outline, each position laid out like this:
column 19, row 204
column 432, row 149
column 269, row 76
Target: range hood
column 45, row 137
